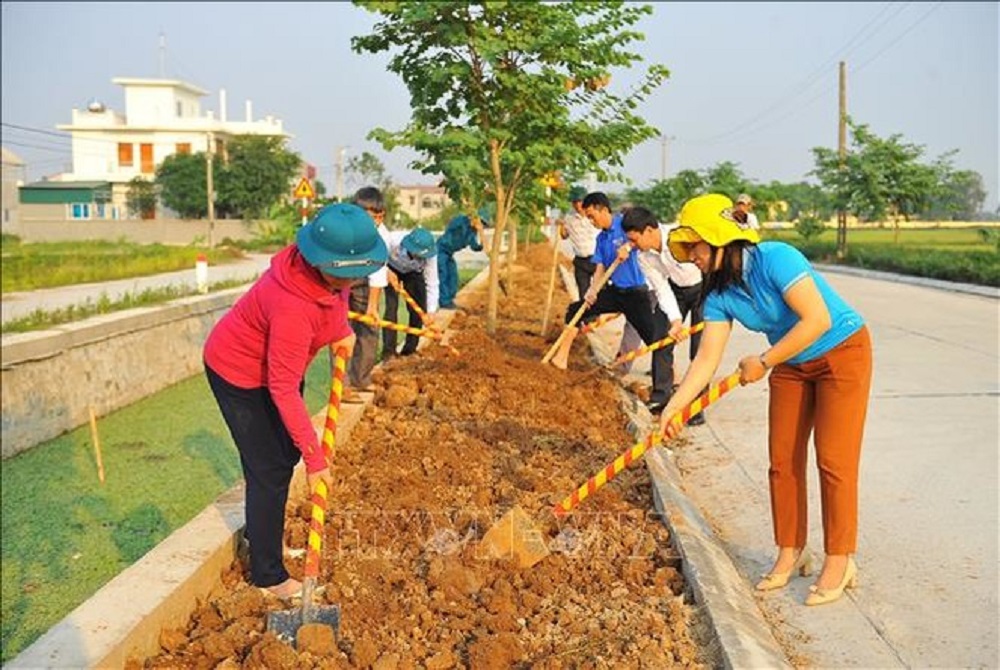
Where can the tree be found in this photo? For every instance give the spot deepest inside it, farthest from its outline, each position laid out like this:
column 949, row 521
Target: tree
column 494, row 95
column 960, row 195
column 181, row 179
column 141, row 198
column 257, row 175
column 881, row 178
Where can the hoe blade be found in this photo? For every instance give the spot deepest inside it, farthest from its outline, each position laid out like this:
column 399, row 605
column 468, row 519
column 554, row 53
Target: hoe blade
column 286, row 623
column 516, row 537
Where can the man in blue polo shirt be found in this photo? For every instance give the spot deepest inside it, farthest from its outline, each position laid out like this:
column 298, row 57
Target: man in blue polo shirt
column 626, row 292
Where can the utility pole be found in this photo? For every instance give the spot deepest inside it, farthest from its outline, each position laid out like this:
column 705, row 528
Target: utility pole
column 842, row 151
column 339, row 164
column 663, row 156
column 210, row 188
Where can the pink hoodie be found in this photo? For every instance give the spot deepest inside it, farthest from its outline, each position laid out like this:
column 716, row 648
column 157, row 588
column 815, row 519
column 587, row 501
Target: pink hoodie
column 272, row 333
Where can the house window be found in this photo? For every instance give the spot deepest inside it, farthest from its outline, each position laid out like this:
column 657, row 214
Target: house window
column 146, row 158
column 180, row 109
column 413, row 200
column 220, row 148
column 80, row 210
column 427, row 203
column 125, row 154
column 183, row 147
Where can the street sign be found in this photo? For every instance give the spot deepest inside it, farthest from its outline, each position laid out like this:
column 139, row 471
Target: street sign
column 305, row 189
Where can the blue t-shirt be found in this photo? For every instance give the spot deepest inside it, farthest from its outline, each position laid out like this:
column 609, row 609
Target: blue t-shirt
column 458, row 235
column 769, row 270
column 628, row 274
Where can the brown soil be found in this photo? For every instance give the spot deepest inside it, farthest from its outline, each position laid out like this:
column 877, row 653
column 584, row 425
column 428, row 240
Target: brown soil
column 449, row 446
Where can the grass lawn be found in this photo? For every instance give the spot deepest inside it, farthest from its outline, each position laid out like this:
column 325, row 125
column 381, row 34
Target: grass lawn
column 968, row 239
column 47, row 264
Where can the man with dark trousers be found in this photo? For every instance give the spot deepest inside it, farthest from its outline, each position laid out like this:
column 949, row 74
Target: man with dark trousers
column 582, row 236
column 365, row 295
column 677, row 285
column 626, row 292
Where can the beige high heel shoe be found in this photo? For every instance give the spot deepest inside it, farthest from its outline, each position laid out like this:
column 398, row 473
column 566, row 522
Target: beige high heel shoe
column 778, row 580
column 823, row 596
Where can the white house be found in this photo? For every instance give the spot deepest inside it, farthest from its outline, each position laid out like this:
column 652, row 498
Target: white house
column 421, row 202
column 162, row 117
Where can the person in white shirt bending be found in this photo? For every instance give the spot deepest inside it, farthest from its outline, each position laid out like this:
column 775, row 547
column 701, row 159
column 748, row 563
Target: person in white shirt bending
column 677, row 285
column 412, row 265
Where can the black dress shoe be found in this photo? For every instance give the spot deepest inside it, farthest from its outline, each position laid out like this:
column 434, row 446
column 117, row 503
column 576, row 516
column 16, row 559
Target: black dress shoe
column 655, row 407
column 697, row 420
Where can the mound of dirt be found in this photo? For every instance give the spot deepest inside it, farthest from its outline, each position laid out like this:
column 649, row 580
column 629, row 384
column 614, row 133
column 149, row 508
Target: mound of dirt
column 449, row 445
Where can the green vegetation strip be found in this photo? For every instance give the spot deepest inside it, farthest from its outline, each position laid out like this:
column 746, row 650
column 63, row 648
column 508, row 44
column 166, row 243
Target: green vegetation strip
column 40, row 319
column 951, row 255
column 43, row 265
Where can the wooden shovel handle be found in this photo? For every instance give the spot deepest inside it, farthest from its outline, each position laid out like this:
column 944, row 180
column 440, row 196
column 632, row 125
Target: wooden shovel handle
column 579, row 313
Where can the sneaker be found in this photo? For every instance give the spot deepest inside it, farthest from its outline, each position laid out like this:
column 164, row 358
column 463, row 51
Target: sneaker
column 655, row 407
column 697, row 420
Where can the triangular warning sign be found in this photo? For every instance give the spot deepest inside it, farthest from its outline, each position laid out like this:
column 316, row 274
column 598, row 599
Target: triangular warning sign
column 305, row 190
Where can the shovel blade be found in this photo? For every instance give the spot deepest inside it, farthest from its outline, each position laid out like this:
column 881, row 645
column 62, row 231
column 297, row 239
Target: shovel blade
column 515, row 537
column 286, row 623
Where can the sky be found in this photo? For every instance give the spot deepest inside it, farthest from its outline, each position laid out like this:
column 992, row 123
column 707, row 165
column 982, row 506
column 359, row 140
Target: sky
column 752, row 83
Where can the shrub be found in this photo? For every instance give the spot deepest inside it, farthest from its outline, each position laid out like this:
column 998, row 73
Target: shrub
column 809, row 227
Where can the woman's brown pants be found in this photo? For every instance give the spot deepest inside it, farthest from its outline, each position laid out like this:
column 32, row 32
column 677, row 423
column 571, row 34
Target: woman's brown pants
column 827, row 396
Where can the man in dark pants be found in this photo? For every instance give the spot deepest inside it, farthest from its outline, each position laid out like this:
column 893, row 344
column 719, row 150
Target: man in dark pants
column 412, row 266
column 677, row 285
column 626, row 292
column 582, row 236
column 365, row 297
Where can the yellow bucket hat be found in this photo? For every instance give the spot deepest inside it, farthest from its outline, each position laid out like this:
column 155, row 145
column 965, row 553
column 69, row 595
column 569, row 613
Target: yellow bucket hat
column 710, row 218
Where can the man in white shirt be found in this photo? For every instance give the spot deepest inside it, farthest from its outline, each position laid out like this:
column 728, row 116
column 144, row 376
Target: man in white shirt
column 413, row 265
column 365, row 299
column 677, row 285
column 744, row 213
column 582, row 235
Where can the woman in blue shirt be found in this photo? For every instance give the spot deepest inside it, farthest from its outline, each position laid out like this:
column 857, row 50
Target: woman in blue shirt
column 820, row 363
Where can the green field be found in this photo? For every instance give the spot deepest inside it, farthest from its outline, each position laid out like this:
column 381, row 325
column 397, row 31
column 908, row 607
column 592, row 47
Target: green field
column 48, row 264
column 951, row 254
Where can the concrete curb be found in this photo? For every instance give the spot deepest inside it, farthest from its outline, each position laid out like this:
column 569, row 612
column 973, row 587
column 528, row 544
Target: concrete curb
column 745, row 638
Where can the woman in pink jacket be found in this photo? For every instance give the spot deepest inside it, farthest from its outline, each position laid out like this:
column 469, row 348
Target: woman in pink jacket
column 256, row 358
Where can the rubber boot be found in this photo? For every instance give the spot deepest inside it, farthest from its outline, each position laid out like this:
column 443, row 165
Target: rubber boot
column 561, row 359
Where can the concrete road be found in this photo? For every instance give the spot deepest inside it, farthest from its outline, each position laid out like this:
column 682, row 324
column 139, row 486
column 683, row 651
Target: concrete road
column 928, row 538
column 16, row 305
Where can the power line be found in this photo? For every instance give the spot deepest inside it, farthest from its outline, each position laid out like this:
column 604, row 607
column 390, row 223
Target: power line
column 898, row 37
column 815, row 76
column 40, row 131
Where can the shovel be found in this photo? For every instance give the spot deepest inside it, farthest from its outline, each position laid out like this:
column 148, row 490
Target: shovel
column 286, row 624
column 515, row 536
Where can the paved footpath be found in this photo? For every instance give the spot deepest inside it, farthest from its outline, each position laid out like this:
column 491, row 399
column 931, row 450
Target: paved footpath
column 16, row 305
column 928, row 537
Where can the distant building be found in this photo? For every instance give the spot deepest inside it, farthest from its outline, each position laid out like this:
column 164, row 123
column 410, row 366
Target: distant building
column 13, row 177
column 162, row 117
column 422, row 202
